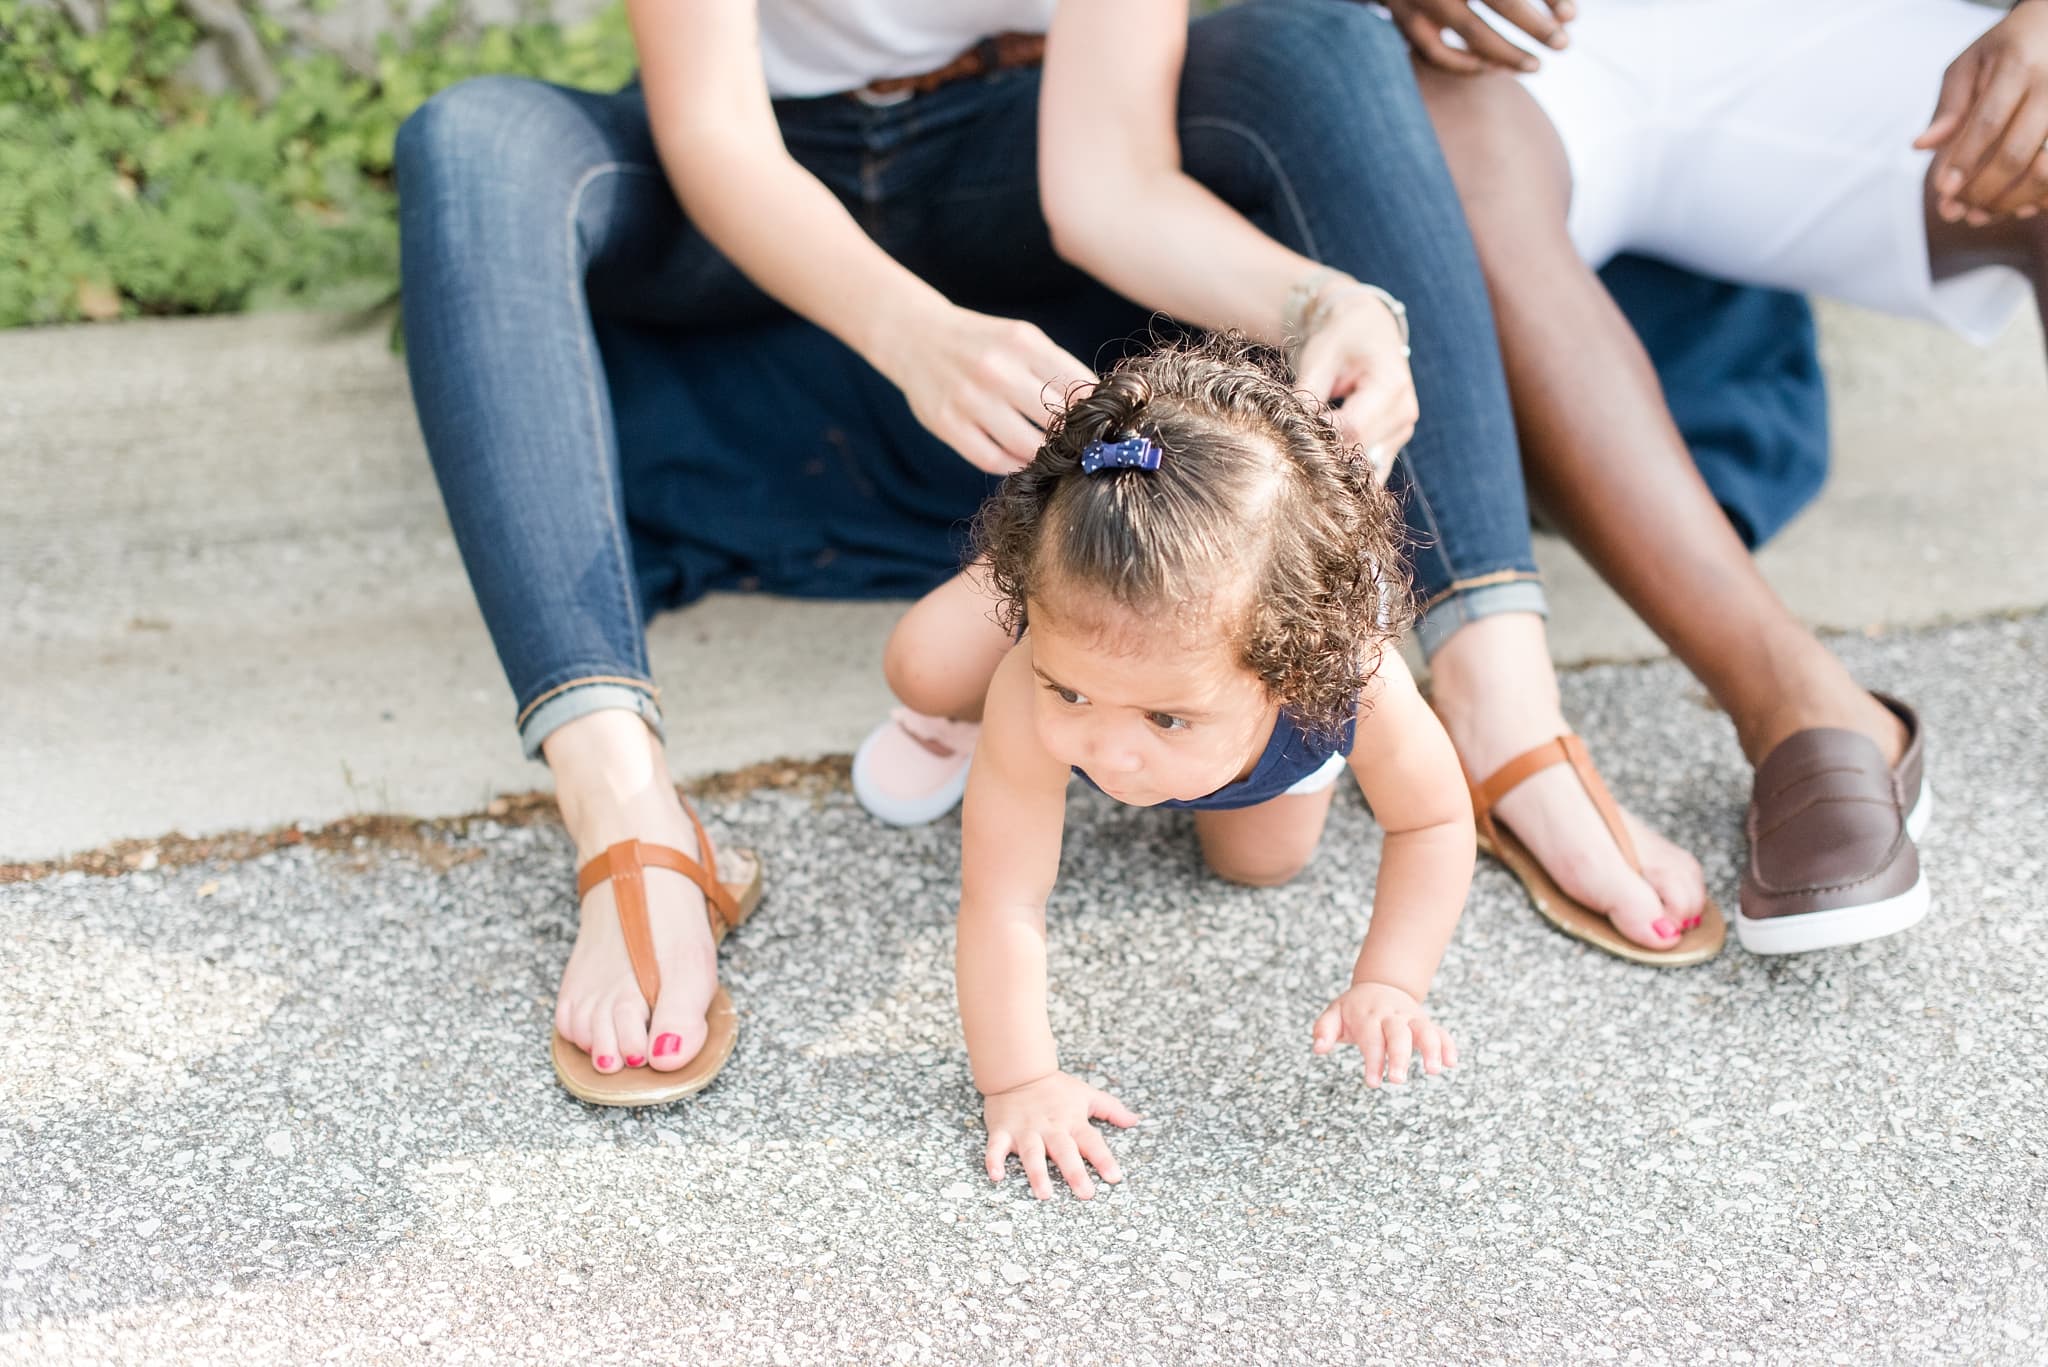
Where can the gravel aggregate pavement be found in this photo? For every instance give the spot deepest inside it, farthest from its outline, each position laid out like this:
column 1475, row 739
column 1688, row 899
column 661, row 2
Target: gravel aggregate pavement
column 299, row 1109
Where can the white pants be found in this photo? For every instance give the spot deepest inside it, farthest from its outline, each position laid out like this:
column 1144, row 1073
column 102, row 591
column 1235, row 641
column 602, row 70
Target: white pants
column 1768, row 141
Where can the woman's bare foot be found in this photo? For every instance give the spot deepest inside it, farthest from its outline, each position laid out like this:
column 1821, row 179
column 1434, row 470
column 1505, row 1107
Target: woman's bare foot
column 612, row 784
column 1493, row 684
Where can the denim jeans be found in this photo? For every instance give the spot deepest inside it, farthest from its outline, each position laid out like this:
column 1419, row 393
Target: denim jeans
column 530, row 213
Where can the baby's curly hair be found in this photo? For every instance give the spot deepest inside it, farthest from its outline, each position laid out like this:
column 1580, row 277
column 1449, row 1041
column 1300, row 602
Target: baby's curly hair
column 1256, row 493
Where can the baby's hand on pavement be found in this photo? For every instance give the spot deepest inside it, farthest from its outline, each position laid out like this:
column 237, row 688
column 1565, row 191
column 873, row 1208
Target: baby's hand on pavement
column 1386, row 1024
column 1049, row 1118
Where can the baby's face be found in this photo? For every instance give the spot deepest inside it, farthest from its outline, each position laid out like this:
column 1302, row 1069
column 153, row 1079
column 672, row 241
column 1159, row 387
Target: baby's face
column 1150, row 711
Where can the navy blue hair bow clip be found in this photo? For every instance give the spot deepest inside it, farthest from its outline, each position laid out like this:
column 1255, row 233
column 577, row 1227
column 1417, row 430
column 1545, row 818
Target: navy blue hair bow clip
column 1132, row 453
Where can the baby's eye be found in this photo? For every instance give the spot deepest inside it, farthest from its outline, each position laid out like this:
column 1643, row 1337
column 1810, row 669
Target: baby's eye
column 1166, row 721
column 1066, row 695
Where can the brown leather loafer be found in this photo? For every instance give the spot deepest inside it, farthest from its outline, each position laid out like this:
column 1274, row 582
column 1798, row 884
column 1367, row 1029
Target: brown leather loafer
column 1831, row 831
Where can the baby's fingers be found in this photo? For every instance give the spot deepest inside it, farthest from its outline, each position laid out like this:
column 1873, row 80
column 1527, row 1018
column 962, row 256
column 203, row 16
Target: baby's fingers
column 1400, row 1040
column 1031, row 1152
column 1103, row 1106
column 1375, row 1052
column 1095, row 1149
column 998, row 1156
column 1429, row 1042
column 1064, row 1153
column 1329, row 1030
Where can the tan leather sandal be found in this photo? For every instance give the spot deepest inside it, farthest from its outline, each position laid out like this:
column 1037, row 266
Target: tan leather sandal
column 1556, row 906
column 727, row 901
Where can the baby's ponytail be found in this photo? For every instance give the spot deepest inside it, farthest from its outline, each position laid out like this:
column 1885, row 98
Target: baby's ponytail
column 1113, row 410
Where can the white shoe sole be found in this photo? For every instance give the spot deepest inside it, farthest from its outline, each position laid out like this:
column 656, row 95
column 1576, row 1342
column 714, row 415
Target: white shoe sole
column 899, row 811
column 1845, row 925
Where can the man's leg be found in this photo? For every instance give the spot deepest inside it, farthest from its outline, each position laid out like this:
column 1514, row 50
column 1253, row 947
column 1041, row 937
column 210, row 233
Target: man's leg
column 1599, row 447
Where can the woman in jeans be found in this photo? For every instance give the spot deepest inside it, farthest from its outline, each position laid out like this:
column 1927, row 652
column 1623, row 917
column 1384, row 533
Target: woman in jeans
column 1242, row 171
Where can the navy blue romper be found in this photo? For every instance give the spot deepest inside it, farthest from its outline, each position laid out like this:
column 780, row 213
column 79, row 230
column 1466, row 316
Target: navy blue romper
column 1291, row 755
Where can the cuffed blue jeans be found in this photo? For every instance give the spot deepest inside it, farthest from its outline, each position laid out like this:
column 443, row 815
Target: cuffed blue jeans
column 528, row 212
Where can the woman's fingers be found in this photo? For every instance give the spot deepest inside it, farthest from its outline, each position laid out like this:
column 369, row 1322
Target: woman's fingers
column 1063, row 374
column 1315, row 369
column 1380, row 410
column 978, row 448
column 1010, row 430
column 1385, row 412
column 990, row 387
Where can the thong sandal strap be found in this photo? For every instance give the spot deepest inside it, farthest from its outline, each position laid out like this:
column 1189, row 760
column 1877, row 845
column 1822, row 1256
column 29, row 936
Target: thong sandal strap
column 1564, row 749
column 624, row 864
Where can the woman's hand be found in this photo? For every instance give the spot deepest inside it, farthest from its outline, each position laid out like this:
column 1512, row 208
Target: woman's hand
column 1357, row 353
column 1991, row 123
column 982, row 384
column 1423, row 23
column 1385, row 1024
column 1049, row 1118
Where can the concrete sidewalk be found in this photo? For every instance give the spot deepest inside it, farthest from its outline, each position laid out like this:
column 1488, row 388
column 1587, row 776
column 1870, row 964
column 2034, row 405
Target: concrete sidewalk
column 229, row 598
column 299, row 1109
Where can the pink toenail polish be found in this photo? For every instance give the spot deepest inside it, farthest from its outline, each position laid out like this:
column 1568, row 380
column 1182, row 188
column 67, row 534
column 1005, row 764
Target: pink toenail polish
column 1665, row 928
column 664, row 1045
column 603, row 1061
column 635, row 1060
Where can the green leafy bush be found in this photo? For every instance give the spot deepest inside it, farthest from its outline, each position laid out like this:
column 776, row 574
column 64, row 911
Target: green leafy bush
column 123, row 192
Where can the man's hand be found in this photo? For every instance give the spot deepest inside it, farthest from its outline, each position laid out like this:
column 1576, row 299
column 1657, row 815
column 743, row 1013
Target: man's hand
column 1991, row 123
column 1423, row 23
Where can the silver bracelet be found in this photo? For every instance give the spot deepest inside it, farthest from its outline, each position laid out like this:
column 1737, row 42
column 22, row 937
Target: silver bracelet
column 1312, row 296
column 1392, row 305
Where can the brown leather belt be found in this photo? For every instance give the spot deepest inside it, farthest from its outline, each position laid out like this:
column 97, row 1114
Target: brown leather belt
column 999, row 53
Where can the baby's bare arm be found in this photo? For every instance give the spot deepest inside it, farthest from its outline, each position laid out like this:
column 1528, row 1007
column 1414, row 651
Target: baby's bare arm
column 1411, row 776
column 1009, row 855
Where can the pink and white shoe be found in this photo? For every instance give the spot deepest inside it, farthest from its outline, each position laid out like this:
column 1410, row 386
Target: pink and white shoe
column 912, row 769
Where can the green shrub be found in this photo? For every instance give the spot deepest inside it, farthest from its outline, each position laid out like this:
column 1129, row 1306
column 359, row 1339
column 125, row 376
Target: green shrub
column 124, row 193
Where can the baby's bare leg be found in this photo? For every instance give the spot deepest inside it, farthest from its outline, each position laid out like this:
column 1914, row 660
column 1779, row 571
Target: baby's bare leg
column 943, row 653
column 1266, row 845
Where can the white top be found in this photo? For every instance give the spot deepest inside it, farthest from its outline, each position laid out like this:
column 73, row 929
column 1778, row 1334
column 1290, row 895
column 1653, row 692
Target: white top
column 824, row 47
